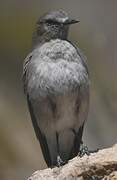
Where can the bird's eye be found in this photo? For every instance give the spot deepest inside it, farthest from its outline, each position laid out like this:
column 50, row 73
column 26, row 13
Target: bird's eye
column 50, row 21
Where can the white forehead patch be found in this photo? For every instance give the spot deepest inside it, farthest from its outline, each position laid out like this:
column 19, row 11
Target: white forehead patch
column 63, row 19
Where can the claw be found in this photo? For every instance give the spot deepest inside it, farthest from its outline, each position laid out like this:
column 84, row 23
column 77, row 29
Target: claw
column 60, row 162
column 83, row 150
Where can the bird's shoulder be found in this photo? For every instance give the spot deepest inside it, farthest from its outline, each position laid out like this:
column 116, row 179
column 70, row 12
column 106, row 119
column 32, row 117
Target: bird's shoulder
column 82, row 56
column 25, row 67
column 57, row 49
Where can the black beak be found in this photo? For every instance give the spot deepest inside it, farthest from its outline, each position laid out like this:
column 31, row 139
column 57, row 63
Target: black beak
column 71, row 21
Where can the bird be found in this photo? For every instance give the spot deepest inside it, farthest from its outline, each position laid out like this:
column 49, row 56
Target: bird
column 56, row 84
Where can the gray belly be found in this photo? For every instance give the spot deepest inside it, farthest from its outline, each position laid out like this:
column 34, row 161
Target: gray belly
column 58, row 113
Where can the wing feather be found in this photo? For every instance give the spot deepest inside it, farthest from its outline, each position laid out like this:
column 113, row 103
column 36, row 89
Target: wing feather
column 40, row 136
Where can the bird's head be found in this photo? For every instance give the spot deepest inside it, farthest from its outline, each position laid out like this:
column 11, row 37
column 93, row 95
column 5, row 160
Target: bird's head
column 54, row 25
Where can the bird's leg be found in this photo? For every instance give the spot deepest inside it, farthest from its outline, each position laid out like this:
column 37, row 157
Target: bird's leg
column 83, row 150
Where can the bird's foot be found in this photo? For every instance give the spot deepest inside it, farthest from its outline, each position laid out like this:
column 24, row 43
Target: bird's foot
column 83, row 150
column 60, row 162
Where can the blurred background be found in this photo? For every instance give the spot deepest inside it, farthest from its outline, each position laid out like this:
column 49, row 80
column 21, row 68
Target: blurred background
column 96, row 35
